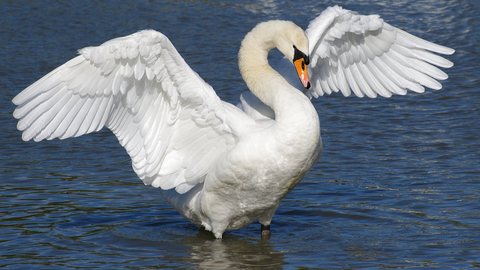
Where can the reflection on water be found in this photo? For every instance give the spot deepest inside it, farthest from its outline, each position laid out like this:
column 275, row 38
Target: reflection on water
column 234, row 253
column 191, row 246
column 397, row 185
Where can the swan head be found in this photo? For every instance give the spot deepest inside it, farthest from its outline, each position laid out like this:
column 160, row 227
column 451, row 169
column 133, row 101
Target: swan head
column 293, row 43
column 286, row 36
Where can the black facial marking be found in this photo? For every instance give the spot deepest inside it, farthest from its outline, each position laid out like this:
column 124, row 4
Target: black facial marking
column 299, row 55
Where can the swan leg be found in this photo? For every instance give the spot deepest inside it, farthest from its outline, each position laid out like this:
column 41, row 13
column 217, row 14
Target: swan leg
column 265, row 221
column 265, row 231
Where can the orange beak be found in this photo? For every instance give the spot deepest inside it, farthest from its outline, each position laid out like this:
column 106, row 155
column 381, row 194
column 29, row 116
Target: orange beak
column 302, row 72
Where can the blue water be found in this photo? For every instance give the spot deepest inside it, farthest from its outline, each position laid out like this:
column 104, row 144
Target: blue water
column 397, row 186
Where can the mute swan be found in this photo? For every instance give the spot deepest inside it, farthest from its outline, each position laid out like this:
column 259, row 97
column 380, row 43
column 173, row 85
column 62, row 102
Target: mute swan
column 222, row 166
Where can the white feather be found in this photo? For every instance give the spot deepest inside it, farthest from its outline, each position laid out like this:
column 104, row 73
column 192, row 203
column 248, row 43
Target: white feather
column 400, row 60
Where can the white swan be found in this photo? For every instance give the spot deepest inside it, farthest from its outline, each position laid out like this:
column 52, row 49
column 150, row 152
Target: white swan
column 220, row 166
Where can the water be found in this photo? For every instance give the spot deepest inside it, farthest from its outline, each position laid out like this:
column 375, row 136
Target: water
column 397, row 186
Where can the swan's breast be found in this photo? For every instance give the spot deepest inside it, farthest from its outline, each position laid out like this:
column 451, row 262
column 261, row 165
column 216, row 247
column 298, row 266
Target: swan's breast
column 256, row 175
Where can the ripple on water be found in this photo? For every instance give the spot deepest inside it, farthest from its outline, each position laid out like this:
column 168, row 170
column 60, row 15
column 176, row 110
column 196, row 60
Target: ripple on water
column 397, row 185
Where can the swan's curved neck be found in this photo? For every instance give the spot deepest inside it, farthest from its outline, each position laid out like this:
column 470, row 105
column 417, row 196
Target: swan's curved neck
column 253, row 62
column 264, row 82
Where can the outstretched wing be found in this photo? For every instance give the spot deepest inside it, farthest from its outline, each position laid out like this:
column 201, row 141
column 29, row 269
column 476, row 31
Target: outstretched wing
column 364, row 54
column 169, row 120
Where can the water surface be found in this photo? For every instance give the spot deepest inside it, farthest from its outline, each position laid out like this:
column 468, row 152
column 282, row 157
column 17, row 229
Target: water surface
column 397, row 185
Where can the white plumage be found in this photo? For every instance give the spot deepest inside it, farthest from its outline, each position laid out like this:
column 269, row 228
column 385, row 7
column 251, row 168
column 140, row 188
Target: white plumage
column 364, row 54
column 219, row 165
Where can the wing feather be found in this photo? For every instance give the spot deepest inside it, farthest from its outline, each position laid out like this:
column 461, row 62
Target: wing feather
column 171, row 123
column 364, row 54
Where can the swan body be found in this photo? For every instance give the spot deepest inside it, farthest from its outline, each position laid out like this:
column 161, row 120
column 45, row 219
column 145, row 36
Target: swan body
column 223, row 166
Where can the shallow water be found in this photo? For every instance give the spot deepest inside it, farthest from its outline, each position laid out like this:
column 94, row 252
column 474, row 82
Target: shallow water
column 397, row 185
